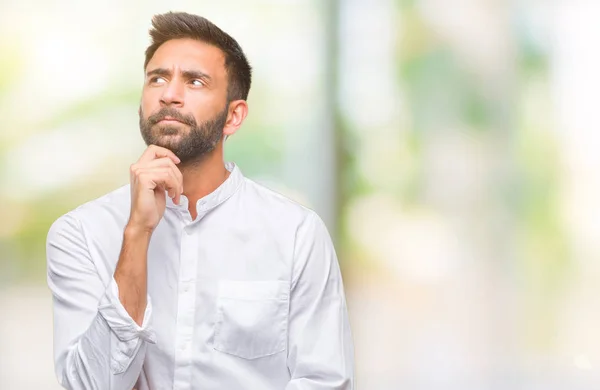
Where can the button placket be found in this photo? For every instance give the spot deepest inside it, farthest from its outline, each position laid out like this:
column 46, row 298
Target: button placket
column 185, row 307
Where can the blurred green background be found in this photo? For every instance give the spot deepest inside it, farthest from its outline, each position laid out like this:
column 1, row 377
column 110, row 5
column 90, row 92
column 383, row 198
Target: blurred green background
column 451, row 146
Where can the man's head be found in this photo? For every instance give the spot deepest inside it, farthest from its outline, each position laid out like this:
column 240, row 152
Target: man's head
column 196, row 85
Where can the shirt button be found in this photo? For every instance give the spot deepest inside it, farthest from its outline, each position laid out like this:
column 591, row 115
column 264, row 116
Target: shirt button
column 184, row 346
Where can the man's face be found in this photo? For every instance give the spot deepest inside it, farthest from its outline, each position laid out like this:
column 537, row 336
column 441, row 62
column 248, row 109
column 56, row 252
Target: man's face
column 184, row 99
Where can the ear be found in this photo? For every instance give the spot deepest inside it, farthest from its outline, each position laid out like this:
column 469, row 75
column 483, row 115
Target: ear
column 238, row 110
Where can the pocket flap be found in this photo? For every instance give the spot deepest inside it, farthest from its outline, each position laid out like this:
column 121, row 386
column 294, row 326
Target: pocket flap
column 254, row 290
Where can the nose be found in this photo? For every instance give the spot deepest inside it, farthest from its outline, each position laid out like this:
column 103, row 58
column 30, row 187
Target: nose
column 172, row 94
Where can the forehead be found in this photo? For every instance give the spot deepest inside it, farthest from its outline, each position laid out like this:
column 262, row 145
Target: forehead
column 189, row 54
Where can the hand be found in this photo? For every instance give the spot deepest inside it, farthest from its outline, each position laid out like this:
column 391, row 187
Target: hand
column 153, row 174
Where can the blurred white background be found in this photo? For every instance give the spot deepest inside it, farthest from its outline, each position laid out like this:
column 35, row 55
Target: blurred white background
column 452, row 148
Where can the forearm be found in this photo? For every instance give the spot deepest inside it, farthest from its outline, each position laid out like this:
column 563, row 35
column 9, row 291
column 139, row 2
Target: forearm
column 320, row 347
column 131, row 273
column 321, row 352
column 98, row 360
column 96, row 343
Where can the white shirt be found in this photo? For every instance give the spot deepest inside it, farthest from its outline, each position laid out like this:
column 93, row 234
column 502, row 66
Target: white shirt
column 247, row 296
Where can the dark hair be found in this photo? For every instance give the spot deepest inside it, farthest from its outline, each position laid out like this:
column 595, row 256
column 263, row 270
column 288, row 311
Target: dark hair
column 179, row 25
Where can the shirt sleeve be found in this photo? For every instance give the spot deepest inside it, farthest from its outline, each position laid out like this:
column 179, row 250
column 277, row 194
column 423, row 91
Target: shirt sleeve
column 320, row 347
column 97, row 345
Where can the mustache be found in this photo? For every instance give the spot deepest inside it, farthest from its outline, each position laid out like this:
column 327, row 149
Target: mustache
column 173, row 113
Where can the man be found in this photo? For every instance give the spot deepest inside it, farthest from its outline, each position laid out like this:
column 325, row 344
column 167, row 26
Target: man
column 194, row 277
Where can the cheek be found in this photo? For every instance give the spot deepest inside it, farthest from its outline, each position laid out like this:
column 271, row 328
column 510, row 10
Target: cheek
column 149, row 101
column 204, row 107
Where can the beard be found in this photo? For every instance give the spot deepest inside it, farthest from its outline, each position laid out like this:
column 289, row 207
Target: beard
column 189, row 146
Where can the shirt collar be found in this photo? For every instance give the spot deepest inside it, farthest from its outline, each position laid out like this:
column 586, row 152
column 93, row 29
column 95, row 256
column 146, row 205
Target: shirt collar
column 218, row 196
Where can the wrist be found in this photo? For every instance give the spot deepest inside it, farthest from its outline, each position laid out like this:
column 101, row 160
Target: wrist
column 134, row 232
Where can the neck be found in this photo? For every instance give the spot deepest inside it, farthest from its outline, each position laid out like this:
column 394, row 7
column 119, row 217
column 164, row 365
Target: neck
column 203, row 176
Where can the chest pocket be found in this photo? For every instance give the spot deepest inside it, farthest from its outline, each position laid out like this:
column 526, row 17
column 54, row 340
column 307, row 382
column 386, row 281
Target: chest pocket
column 252, row 317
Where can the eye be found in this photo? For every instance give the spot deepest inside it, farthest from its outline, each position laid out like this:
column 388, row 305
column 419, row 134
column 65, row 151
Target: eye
column 157, row 80
column 197, row 83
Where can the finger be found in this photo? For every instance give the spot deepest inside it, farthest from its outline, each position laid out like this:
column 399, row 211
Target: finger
column 164, row 162
column 160, row 178
column 177, row 184
column 153, row 152
column 166, row 178
column 157, row 163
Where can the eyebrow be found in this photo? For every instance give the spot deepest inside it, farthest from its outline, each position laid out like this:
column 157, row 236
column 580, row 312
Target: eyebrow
column 187, row 74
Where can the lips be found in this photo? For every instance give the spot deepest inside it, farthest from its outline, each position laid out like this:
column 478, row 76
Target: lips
column 170, row 116
column 169, row 119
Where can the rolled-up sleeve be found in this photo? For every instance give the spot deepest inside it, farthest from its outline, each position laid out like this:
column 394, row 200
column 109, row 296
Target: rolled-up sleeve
column 97, row 345
column 320, row 347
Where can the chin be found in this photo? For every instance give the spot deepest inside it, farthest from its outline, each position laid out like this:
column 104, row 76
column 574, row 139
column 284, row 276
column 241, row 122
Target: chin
column 166, row 142
column 161, row 130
